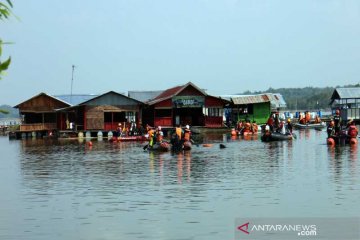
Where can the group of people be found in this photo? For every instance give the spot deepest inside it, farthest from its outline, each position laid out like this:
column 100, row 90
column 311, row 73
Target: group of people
column 335, row 127
column 275, row 124
column 305, row 118
column 128, row 129
column 245, row 126
column 178, row 137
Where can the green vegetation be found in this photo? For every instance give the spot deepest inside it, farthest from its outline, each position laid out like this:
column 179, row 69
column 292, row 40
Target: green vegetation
column 7, row 111
column 308, row 98
column 4, row 14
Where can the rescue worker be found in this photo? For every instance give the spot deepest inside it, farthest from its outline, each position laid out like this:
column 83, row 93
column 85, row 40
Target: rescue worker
column 118, row 130
column 254, row 127
column 187, row 133
column 330, row 129
column 159, row 135
column 151, row 135
column 289, row 126
column 337, row 121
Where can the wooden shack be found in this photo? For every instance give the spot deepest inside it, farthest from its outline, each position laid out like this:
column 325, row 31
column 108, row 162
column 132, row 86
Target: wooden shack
column 186, row 104
column 39, row 113
column 348, row 101
column 103, row 112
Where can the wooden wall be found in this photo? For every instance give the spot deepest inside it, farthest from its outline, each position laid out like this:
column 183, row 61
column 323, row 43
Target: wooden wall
column 41, row 103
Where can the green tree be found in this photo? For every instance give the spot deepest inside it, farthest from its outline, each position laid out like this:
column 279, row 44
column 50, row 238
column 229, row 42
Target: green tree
column 5, row 13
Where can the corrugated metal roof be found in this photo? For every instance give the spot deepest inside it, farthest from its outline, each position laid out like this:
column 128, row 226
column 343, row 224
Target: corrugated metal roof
column 250, row 99
column 347, row 93
column 75, row 99
column 144, row 96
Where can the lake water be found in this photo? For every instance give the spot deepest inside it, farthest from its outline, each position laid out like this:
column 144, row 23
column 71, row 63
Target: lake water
column 68, row 190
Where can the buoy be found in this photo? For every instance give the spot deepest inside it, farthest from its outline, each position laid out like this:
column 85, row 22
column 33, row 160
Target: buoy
column 353, row 141
column 233, row 132
column 90, row 144
column 207, row 145
column 330, row 141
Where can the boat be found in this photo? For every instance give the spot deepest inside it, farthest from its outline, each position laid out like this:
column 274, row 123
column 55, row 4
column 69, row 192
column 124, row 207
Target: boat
column 187, row 145
column 160, row 147
column 275, row 136
column 341, row 139
column 310, row 125
column 128, row 139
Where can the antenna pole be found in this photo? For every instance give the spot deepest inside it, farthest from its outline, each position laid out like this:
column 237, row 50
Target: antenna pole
column 72, row 81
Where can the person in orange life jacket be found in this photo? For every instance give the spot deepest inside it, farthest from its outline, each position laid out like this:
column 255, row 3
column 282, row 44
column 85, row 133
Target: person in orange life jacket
column 352, row 129
column 307, row 117
column 337, row 121
column 317, row 119
column 159, row 135
column 254, row 127
column 151, row 134
column 187, row 133
column 330, row 129
column 270, row 122
column 179, row 132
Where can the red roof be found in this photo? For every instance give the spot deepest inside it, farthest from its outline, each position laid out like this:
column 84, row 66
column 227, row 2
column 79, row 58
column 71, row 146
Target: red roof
column 169, row 92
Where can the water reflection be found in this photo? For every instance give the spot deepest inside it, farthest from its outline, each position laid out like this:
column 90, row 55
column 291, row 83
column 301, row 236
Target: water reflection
column 63, row 188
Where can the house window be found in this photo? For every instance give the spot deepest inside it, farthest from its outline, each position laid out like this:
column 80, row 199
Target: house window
column 215, row 112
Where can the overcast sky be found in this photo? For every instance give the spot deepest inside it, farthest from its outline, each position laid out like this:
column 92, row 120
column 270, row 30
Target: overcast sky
column 224, row 46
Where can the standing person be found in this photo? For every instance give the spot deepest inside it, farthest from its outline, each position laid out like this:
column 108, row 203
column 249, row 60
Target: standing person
column 159, row 135
column 289, row 126
column 151, row 136
column 337, row 121
column 187, row 133
column 118, row 130
column 330, row 129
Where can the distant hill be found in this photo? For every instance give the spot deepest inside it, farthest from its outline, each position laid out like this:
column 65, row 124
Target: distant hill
column 308, row 98
column 7, row 111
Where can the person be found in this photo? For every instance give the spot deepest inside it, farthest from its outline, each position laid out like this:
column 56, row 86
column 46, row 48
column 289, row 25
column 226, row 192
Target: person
column 118, row 130
column 277, row 121
column 254, row 127
column 187, row 133
column 270, row 122
column 159, row 135
column 307, row 117
column 330, row 129
column 337, row 121
column 317, row 119
column 151, row 135
column 352, row 129
column 289, row 126
column 178, row 132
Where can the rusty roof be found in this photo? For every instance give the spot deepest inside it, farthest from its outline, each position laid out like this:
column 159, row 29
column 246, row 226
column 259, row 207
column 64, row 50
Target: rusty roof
column 249, row 99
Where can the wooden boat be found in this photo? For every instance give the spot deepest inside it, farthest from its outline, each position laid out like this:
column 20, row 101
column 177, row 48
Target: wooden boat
column 310, row 125
column 275, row 136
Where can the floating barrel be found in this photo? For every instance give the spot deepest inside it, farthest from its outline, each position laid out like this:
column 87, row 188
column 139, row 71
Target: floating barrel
column 81, row 135
column 331, row 141
column 233, row 132
column 110, row 135
column 353, row 141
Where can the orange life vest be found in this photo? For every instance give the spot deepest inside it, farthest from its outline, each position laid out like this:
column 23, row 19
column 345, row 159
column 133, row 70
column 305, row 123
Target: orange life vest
column 187, row 135
column 178, row 132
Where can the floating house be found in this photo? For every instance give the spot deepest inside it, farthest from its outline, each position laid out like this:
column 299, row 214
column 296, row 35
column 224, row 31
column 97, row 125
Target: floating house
column 185, row 105
column 255, row 107
column 101, row 113
column 348, row 101
column 39, row 113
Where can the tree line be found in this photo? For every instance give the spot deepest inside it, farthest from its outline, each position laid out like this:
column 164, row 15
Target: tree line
column 307, row 98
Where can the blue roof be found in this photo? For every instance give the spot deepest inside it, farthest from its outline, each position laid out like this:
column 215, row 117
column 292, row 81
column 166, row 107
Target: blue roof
column 75, row 99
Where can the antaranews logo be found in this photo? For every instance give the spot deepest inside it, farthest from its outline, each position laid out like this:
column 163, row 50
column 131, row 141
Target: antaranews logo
column 244, row 227
column 300, row 229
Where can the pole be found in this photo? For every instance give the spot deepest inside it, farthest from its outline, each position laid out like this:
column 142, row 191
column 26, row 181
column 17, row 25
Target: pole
column 72, row 80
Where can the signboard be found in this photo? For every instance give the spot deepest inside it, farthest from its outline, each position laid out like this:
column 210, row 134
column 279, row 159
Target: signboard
column 188, row 101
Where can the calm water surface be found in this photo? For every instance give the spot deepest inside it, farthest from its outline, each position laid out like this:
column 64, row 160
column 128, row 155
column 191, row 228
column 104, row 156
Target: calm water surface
column 67, row 190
